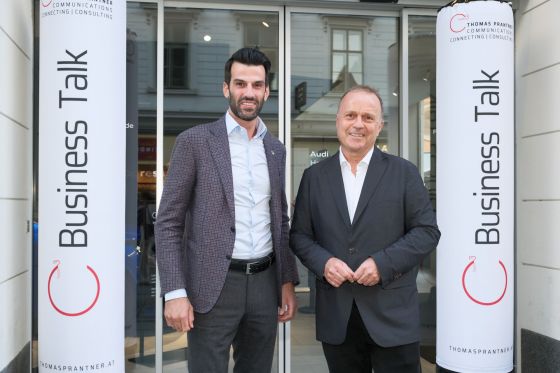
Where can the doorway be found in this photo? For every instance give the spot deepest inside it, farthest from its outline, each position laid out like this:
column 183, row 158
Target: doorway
column 316, row 54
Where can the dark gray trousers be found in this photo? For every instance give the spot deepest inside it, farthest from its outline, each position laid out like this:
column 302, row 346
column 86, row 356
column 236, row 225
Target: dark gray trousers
column 359, row 353
column 245, row 317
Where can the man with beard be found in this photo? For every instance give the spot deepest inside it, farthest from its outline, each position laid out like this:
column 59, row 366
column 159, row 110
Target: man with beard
column 226, row 270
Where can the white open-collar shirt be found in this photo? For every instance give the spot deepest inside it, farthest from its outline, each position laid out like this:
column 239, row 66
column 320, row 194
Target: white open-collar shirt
column 251, row 191
column 353, row 183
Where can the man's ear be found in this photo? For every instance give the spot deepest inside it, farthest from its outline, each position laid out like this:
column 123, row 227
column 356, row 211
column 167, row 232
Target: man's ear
column 381, row 125
column 266, row 92
column 225, row 89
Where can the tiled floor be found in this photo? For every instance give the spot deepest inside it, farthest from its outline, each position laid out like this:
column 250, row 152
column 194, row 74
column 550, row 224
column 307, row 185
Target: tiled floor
column 306, row 355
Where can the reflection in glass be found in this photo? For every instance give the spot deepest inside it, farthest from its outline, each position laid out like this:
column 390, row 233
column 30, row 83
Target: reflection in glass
column 346, row 66
column 175, row 55
column 208, row 38
column 355, row 40
column 329, row 55
column 338, row 64
column 140, row 286
column 422, row 152
column 262, row 32
column 339, row 39
column 355, row 66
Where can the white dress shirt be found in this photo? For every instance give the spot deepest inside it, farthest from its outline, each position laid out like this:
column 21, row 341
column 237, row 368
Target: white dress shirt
column 251, row 191
column 353, row 183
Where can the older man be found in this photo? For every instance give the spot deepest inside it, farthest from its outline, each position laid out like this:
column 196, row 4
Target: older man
column 363, row 222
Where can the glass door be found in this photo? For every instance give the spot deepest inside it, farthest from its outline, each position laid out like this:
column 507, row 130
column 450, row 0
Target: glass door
column 419, row 29
column 316, row 55
column 198, row 40
column 140, row 259
column 327, row 53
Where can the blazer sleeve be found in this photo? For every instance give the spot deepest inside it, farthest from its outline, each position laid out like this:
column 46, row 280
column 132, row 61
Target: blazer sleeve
column 302, row 235
column 289, row 272
column 421, row 232
column 170, row 222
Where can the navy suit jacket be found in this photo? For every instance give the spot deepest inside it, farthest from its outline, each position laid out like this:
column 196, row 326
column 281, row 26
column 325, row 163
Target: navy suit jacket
column 394, row 224
column 195, row 227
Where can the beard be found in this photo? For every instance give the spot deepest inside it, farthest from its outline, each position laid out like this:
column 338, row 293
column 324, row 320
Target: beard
column 248, row 115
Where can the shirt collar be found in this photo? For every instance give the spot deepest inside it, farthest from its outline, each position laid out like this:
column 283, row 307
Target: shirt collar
column 231, row 125
column 365, row 160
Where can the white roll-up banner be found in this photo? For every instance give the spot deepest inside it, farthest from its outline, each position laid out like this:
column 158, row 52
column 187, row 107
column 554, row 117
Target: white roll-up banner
column 82, row 147
column 475, row 187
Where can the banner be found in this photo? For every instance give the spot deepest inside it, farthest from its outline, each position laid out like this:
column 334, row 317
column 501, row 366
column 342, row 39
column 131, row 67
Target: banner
column 475, row 187
column 82, row 144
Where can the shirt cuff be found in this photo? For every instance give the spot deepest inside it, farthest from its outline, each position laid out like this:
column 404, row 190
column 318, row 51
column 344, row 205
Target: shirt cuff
column 174, row 294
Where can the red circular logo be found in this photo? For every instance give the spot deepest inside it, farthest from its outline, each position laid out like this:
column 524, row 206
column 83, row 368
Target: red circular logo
column 472, row 297
column 78, row 313
column 457, row 23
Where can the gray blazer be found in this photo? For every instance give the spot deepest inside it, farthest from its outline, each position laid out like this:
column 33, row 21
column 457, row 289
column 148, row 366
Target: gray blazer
column 195, row 227
column 394, row 224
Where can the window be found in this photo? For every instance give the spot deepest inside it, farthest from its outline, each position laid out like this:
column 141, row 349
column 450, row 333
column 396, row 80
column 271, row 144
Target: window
column 262, row 33
column 347, row 59
column 176, row 53
column 175, row 66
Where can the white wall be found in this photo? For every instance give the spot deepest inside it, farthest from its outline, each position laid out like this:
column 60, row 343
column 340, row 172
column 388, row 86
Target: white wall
column 16, row 108
column 538, row 169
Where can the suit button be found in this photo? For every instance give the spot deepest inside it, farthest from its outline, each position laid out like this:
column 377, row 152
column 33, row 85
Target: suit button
column 228, row 257
column 232, row 229
column 351, row 250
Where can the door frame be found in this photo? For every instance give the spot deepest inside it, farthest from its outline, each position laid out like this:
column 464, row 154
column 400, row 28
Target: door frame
column 283, row 329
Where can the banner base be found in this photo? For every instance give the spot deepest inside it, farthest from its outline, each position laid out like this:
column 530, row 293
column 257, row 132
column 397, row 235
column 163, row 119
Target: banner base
column 443, row 370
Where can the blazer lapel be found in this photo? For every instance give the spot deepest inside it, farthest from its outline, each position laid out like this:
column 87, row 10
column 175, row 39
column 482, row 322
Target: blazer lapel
column 272, row 161
column 376, row 169
column 219, row 148
column 334, row 175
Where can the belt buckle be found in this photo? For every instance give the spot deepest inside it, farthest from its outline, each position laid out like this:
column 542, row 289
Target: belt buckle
column 248, row 269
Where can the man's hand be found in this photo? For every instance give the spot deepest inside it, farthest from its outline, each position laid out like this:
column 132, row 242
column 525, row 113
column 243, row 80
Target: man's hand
column 367, row 273
column 336, row 272
column 289, row 304
column 179, row 314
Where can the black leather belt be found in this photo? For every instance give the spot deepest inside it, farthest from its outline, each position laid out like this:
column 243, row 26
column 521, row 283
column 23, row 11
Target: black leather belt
column 252, row 266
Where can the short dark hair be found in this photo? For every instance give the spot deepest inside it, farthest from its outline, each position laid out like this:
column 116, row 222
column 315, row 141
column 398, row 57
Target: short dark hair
column 363, row 88
column 247, row 56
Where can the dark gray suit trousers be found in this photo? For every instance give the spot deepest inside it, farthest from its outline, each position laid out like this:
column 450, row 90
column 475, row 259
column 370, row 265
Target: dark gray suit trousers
column 245, row 317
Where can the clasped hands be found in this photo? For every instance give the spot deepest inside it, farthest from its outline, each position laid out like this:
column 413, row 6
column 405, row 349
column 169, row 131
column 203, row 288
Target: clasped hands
column 337, row 272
